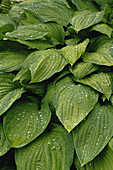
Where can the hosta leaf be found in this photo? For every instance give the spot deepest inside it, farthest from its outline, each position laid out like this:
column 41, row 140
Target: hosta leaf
column 51, row 11
column 103, row 161
column 73, row 53
column 4, row 145
column 101, row 82
column 84, row 4
column 98, row 58
column 92, row 135
column 102, row 56
column 36, row 44
column 52, row 150
column 6, row 24
column 102, row 28
column 100, row 2
column 43, row 64
column 24, row 121
column 9, row 91
column 29, row 32
column 81, row 69
column 85, row 19
column 11, row 60
column 72, row 41
column 73, row 102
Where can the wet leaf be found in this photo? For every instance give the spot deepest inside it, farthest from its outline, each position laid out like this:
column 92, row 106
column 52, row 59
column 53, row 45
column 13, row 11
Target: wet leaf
column 24, row 121
column 53, row 149
column 93, row 134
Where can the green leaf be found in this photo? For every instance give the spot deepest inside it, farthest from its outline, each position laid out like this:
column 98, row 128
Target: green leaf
column 52, row 150
column 42, row 65
column 85, row 19
column 81, row 69
column 37, row 44
column 92, row 135
column 102, row 28
column 101, row 82
column 11, row 60
column 4, row 145
column 24, row 121
column 84, row 5
column 103, row 161
column 6, row 24
column 72, row 41
column 29, row 32
column 9, row 91
column 51, row 11
column 73, row 102
column 73, row 53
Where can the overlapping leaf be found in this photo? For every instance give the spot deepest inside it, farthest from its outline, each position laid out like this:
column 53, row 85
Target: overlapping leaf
column 102, row 56
column 53, row 149
column 43, row 64
column 85, row 19
column 103, row 161
column 6, row 24
column 4, row 145
column 102, row 28
column 73, row 53
column 12, row 60
column 24, row 121
column 51, row 11
column 82, row 69
column 92, row 135
column 101, row 82
column 73, row 102
column 9, row 91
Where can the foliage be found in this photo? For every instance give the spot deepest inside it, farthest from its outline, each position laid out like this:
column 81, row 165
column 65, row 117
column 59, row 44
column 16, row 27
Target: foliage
column 56, row 84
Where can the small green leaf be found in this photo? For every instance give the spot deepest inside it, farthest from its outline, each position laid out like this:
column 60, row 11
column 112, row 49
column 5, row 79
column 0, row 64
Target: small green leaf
column 24, row 121
column 102, row 28
column 9, row 91
column 85, row 19
column 52, row 150
column 4, row 145
column 72, row 41
column 81, row 69
column 51, row 11
column 6, row 24
column 73, row 53
column 101, row 82
column 73, row 102
column 92, row 135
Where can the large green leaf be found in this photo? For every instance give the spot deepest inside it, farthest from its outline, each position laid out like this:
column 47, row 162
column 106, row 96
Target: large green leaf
column 101, row 82
column 6, row 24
column 73, row 53
column 9, row 91
column 4, row 145
column 103, row 161
column 85, row 19
column 52, row 150
column 51, row 11
column 24, row 121
column 73, row 102
column 92, row 135
column 43, row 64
column 29, row 32
column 102, row 28
column 81, row 69
column 102, row 56
column 11, row 60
